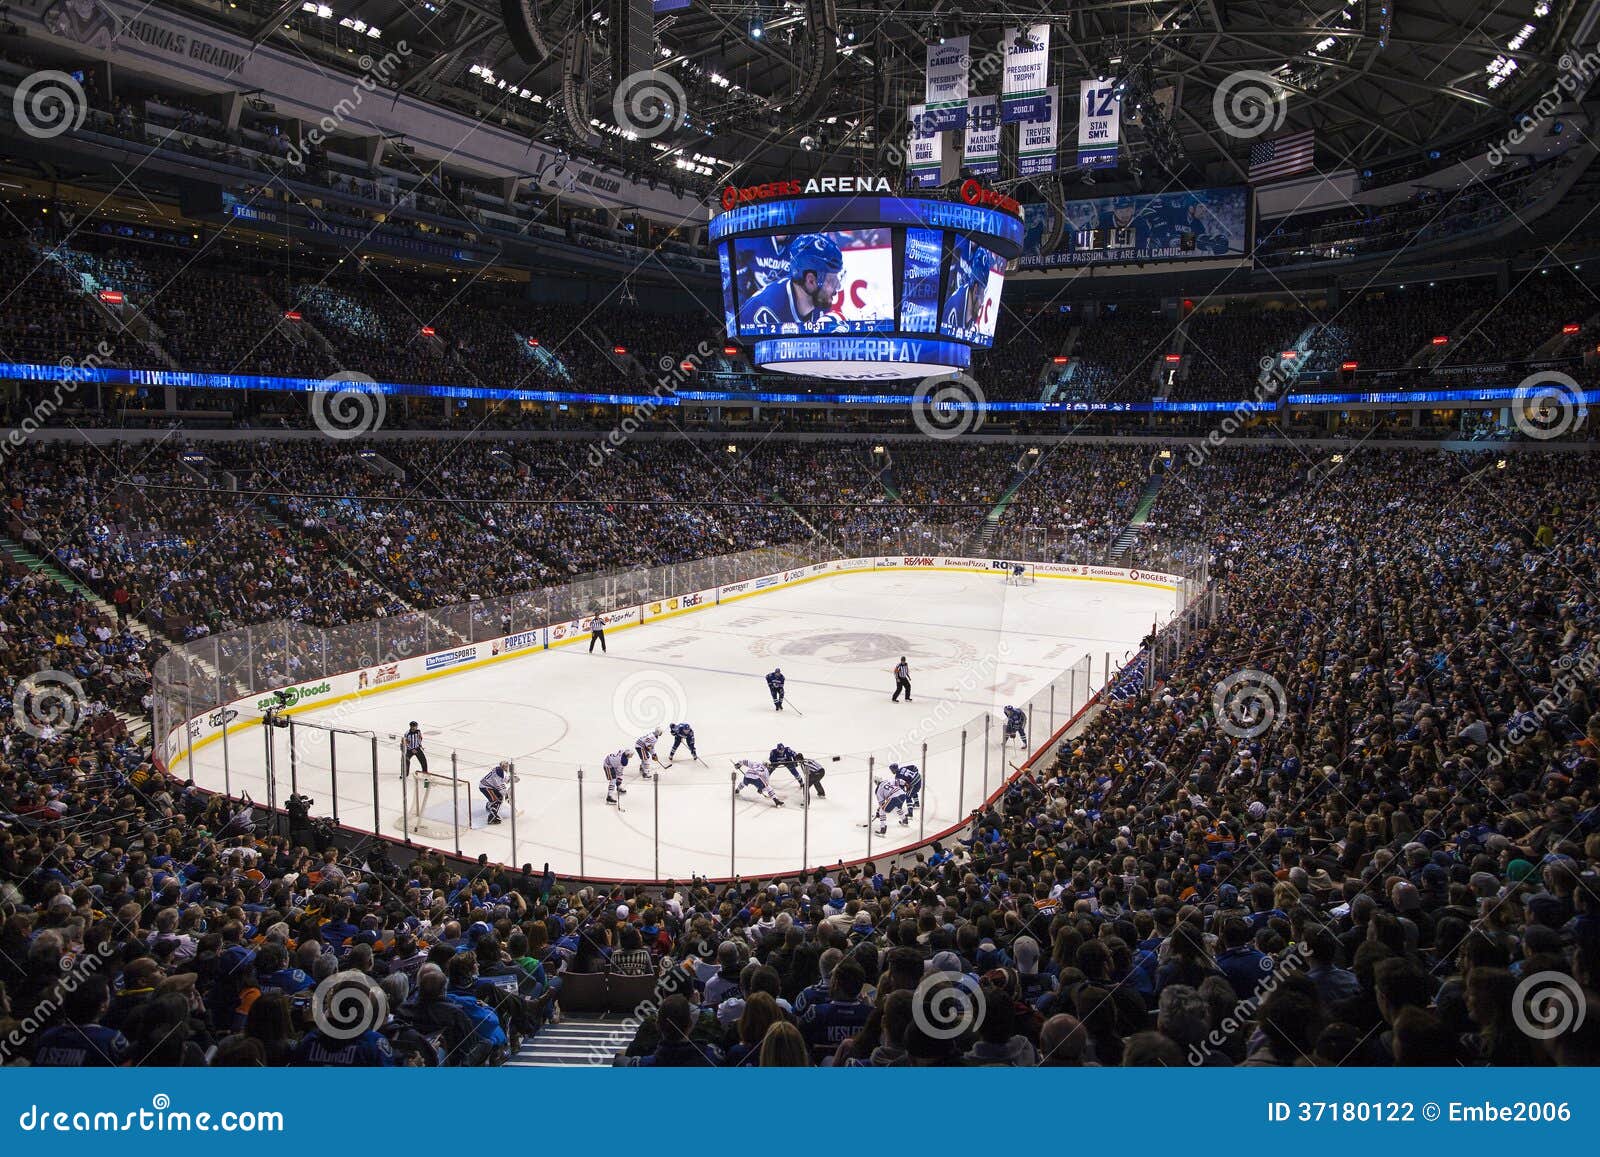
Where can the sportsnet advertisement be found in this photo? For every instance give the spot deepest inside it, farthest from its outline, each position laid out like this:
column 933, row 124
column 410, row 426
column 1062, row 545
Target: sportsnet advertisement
column 833, row 282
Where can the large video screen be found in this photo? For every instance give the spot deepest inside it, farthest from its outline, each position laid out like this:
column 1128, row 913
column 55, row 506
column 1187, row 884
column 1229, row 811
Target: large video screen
column 972, row 297
column 919, row 304
column 1179, row 226
column 839, row 281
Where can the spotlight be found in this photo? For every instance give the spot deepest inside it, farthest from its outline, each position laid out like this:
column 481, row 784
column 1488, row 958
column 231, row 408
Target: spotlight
column 758, row 28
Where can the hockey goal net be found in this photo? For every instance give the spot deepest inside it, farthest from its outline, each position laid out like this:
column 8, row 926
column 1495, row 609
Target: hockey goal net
column 1019, row 574
column 437, row 806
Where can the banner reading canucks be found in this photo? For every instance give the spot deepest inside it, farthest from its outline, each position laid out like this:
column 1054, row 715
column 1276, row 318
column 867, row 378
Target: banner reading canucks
column 981, row 155
column 1027, row 71
column 1036, row 140
column 947, row 83
column 924, row 157
column 1099, row 124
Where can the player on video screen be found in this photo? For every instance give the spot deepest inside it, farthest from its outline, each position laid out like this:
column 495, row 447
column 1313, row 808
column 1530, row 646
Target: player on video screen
column 804, row 299
column 963, row 307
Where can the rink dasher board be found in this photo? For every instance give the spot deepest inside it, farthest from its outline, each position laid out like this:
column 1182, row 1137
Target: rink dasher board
column 318, row 694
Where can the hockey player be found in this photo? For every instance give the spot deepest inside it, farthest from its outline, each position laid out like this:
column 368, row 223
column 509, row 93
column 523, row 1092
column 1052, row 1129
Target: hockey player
column 615, row 764
column 911, row 783
column 754, row 773
column 494, row 786
column 775, row 686
column 645, row 745
column 891, row 797
column 784, row 756
column 1016, row 725
column 682, row 734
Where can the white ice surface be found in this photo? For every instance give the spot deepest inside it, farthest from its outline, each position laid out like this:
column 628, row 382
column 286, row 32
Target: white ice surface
column 974, row 643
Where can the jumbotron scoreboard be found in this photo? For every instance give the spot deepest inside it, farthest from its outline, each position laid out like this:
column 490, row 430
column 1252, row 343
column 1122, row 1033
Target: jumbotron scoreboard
column 842, row 277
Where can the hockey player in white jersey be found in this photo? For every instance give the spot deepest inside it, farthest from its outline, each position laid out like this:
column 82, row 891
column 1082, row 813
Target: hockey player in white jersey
column 615, row 764
column 494, row 786
column 754, row 773
column 891, row 796
column 645, row 745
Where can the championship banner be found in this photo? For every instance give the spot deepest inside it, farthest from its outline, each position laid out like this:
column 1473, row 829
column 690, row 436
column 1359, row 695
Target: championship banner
column 1027, row 72
column 947, row 83
column 924, row 157
column 1036, row 140
column 981, row 153
column 1099, row 124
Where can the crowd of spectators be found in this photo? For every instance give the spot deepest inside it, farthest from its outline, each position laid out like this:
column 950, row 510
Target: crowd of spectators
column 1372, row 864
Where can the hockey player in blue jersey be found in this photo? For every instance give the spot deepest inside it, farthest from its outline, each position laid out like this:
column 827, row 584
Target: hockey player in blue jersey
column 910, row 778
column 782, row 755
column 775, row 686
column 1016, row 725
column 799, row 302
column 682, row 734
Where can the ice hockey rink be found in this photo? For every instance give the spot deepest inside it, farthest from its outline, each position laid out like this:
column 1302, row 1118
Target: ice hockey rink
column 974, row 644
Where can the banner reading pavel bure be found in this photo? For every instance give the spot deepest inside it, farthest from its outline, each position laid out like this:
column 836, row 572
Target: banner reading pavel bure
column 946, row 91
column 1026, row 75
column 981, row 155
column 924, row 157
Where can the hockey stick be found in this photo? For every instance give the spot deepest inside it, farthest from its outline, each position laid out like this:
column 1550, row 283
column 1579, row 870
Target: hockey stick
column 797, row 710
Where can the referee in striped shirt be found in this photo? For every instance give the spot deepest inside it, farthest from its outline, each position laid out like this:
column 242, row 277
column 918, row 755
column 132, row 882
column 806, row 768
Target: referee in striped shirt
column 411, row 744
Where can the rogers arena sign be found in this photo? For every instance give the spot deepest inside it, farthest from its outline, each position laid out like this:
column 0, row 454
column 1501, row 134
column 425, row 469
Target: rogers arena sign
column 974, row 193
column 733, row 196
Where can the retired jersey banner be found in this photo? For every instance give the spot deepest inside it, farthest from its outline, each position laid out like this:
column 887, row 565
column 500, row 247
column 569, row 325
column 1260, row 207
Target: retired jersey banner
column 981, row 154
column 1037, row 140
column 1027, row 72
column 1099, row 124
column 924, row 157
column 947, row 83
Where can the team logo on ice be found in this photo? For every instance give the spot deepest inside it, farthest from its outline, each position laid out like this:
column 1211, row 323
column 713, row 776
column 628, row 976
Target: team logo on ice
column 849, row 648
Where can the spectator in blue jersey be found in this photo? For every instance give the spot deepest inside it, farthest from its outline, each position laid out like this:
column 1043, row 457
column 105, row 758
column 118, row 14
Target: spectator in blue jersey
column 1240, row 960
column 843, row 1013
column 463, row 974
column 434, row 1012
column 371, row 1049
column 83, row 1042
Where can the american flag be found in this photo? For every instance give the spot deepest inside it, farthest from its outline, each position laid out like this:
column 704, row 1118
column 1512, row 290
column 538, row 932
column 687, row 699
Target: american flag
column 1281, row 156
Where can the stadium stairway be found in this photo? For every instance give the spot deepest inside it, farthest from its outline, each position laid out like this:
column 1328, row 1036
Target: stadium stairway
column 1141, row 515
column 577, row 1042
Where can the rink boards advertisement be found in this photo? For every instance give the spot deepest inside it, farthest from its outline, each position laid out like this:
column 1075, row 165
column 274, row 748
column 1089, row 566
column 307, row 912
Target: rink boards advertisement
column 391, row 672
